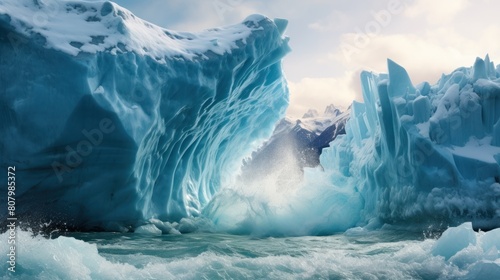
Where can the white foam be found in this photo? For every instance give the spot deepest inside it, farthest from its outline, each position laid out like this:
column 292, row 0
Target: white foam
column 297, row 258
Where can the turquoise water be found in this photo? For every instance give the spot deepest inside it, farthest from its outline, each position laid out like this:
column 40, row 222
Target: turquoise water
column 356, row 254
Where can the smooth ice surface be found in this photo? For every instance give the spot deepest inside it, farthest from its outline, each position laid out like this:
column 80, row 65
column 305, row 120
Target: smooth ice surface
column 112, row 121
column 454, row 240
column 357, row 254
column 149, row 229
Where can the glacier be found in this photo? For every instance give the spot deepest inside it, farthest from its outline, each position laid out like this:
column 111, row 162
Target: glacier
column 121, row 125
column 112, row 121
column 115, row 124
column 413, row 157
column 424, row 155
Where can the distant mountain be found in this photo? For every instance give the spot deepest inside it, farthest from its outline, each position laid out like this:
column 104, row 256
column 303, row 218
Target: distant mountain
column 332, row 111
column 311, row 113
column 296, row 143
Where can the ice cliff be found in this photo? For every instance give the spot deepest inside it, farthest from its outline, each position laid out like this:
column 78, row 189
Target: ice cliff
column 422, row 155
column 111, row 120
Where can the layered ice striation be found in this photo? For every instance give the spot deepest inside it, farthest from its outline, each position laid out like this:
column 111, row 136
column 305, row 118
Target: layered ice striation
column 423, row 155
column 111, row 121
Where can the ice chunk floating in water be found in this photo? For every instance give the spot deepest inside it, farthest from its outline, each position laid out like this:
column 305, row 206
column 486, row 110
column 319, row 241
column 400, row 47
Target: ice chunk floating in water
column 111, row 121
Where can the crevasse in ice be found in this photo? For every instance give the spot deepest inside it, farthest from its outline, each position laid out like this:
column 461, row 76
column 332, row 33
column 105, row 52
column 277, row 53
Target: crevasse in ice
column 111, row 121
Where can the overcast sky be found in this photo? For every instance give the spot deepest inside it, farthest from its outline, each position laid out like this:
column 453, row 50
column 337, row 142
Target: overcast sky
column 333, row 40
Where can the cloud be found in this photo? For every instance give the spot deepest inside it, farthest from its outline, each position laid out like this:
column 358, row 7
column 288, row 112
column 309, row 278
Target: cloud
column 190, row 15
column 425, row 57
column 437, row 12
column 425, row 48
column 334, row 22
column 320, row 92
column 405, row 49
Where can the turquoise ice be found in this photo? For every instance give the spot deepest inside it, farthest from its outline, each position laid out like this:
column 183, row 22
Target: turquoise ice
column 119, row 123
column 111, row 120
column 423, row 155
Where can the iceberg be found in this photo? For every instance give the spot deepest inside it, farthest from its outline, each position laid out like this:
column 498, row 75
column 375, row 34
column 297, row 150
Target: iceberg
column 423, row 155
column 111, row 121
column 476, row 253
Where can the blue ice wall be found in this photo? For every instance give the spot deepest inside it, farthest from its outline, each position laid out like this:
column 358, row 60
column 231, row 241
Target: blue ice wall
column 108, row 131
column 423, row 155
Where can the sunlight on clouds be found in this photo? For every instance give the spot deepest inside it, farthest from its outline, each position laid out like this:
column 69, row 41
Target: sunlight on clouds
column 437, row 12
column 428, row 48
column 180, row 16
column 425, row 57
column 422, row 63
column 320, row 92
column 334, row 22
